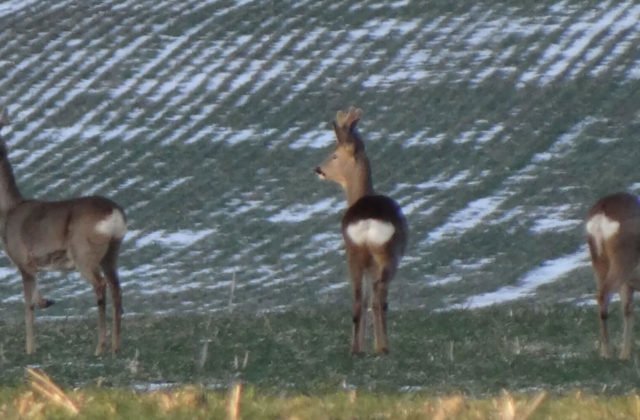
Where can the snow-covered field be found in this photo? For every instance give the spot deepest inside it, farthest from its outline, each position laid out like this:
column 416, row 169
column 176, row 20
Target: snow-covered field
column 495, row 127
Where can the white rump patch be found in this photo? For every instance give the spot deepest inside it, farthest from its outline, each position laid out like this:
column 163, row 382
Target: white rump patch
column 601, row 228
column 113, row 225
column 370, row 231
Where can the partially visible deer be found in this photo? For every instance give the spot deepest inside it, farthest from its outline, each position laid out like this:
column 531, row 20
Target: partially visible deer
column 82, row 233
column 613, row 235
column 373, row 227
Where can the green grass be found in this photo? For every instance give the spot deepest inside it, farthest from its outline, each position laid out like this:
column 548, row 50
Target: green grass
column 167, row 110
column 296, row 364
column 478, row 353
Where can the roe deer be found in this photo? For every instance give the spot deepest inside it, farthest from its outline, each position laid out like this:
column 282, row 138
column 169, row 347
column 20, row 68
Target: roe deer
column 82, row 233
column 613, row 235
column 373, row 228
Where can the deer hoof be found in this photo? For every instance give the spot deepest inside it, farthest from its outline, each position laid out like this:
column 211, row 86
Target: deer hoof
column 357, row 353
column 99, row 349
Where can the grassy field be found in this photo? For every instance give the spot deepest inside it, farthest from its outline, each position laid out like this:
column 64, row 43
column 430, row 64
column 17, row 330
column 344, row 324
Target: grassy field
column 197, row 403
column 284, row 359
column 494, row 124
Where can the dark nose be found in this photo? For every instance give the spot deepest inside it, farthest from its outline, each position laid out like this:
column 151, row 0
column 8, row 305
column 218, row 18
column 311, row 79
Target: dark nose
column 319, row 171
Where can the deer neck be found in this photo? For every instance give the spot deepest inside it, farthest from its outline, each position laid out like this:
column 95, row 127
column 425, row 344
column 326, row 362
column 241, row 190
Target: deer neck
column 360, row 183
column 9, row 193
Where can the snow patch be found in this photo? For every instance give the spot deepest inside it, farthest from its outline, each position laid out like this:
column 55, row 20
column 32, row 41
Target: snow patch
column 300, row 212
column 549, row 272
column 177, row 239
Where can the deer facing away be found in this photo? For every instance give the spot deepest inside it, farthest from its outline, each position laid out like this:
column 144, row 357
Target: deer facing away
column 82, row 233
column 613, row 236
column 373, row 228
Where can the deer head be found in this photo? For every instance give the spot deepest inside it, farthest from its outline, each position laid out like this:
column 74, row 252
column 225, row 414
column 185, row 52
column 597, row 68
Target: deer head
column 347, row 165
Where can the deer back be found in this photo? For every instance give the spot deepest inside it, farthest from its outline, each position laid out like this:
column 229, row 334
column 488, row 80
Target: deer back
column 36, row 232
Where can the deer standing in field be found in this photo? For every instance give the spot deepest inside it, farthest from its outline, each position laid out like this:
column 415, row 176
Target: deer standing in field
column 613, row 235
column 373, row 228
column 82, row 233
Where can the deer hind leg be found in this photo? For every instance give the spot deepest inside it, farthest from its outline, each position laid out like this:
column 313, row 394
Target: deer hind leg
column 356, row 270
column 29, row 285
column 380, row 306
column 617, row 279
column 99, row 287
column 109, row 267
column 626, row 297
column 87, row 258
column 603, row 298
column 601, row 270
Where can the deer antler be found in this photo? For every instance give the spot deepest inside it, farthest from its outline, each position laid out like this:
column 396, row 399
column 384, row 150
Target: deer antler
column 4, row 118
column 348, row 118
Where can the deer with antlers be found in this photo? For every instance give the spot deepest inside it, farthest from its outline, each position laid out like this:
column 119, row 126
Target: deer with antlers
column 83, row 233
column 373, row 228
column 613, row 236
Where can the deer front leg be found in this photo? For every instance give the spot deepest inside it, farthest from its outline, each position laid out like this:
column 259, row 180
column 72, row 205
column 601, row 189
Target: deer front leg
column 359, row 310
column 626, row 297
column 29, row 286
column 603, row 305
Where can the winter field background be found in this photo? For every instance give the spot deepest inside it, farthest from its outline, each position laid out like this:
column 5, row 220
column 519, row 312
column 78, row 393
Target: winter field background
column 494, row 124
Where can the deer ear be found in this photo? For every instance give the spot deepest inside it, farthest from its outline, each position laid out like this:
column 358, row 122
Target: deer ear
column 341, row 118
column 341, row 135
column 354, row 116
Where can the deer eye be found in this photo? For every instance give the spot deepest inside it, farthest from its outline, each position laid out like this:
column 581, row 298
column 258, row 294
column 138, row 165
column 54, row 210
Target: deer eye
column 334, row 157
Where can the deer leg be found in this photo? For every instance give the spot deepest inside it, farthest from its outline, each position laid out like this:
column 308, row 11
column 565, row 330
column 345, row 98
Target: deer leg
column 626, row 297
column 109, row 267
column 29, row 285
column 380, row 292
column 88, row 257
column 359, row 310
column 99, row 286
column 604, row 296
column 116, row 301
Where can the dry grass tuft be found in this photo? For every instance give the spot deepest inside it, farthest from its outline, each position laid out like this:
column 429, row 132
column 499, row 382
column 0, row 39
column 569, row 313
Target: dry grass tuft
column 233, row 409
column 510, row 409
column 449, row 407
column 43, row 385
column 190, row 397
column 27, row 406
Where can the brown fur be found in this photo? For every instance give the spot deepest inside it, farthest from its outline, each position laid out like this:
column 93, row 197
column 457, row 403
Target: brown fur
column 62, row 235
column 615, row 262
column 348, row 166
